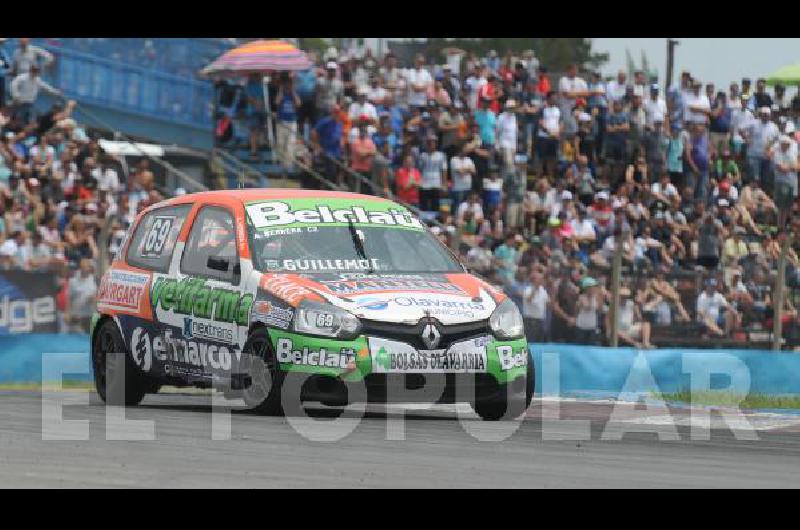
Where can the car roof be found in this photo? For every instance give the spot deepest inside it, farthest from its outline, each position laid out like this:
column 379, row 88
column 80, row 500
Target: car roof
column 255, row 194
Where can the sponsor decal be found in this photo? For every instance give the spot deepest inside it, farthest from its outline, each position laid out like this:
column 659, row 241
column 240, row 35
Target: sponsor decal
column 509, row 359
column 360, row 285
column 285, row 288
column 122, row 290
column 322, row 265
column 308, row 356
column 206, row 330
column 373, row 304
column 272, row 314
column 192, row 296
column 398, row 357
column 142, row 349
column 28, row 302
column 170, row 347
column 275, row 213
column 444, row 306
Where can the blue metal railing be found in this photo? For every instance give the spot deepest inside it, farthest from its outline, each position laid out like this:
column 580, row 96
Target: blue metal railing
column 117, row 74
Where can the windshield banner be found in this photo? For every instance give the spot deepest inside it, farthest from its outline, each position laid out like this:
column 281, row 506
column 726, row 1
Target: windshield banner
column 293, row 213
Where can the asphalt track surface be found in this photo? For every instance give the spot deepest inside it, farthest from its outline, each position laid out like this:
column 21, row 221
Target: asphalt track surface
column 390, row 447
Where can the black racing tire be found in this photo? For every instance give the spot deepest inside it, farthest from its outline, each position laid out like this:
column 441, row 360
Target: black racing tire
column 108, row 346
column 505, row 408
column 267, row 389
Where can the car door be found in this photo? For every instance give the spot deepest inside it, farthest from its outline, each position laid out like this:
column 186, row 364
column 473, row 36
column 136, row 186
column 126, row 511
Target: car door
column 205, row 300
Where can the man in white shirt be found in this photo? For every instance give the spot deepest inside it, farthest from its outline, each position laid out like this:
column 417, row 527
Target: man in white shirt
column 24, row 91
column 362, row 107
column 616, row 88
column 655, row 108
column 697, row 107
column 473, row 205
column 714, row 310
column 535, row 301
column 419, row 83
column 507, row 133
column 462, row 169
column 570, row 88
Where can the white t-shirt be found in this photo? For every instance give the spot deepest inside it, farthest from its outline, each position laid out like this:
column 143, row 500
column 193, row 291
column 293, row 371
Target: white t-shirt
column 507, row 130
column 668, row 191
column 710, row 305
column 552, row 118
column 376, row 94
column 615, row 91
column 475, row 208
column 418, row 77
column 462, row 179
column 433, row 167
column 565, row 84
column 654, row 110
column 357, row 109
column 107, row 180
column 536, row 305
column 696, row 101
column 583, row 228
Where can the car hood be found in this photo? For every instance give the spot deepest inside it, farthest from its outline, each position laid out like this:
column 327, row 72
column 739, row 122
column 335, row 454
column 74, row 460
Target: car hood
column 402, row 298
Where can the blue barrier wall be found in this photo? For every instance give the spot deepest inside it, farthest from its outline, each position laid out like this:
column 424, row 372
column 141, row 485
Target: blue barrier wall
column 560, row 369
column 585, row 369
column 21, row 357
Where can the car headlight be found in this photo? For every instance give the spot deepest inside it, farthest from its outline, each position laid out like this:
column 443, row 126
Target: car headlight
column 326, row 320
column 506, row 321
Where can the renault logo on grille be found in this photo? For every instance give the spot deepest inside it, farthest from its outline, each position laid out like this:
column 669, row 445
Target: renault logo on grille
column 430, row 334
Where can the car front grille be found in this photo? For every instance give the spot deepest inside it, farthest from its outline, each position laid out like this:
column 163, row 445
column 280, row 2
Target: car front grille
column 412, row 334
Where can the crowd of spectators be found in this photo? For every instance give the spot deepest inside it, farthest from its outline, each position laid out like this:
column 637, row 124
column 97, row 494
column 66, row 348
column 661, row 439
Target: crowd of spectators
column 57, row 190
column 534, row 180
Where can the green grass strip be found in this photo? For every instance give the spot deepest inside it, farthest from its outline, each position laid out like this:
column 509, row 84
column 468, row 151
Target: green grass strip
column 730, row 399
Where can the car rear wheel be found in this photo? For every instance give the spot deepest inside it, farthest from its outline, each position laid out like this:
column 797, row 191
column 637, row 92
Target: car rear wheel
column 116, row 377
column 510, row 406
column 266, row 378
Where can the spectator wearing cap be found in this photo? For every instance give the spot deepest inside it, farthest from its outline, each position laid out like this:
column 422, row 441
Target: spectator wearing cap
column 714, row 311
column 433, row 167
column 675, row 158
column 784, row 162
column 760, row 136
column 655, row 107
column 329, row 88
column 587, row 317
column 493, row 191
column 656, row 147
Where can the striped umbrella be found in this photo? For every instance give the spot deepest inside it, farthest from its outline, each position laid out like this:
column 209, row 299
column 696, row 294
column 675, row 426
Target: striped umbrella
column 259, row 56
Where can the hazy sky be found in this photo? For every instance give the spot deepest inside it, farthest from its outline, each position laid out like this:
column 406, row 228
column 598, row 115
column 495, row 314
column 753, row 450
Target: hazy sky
column 718, row 60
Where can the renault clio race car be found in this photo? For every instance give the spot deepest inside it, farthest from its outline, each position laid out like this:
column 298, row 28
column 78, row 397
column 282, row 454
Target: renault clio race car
column 340, row 297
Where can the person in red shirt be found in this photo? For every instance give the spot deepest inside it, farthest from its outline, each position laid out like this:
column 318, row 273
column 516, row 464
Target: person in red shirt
column 489, row 90
column 407, row 180
column 544, row 81
column 362, row 150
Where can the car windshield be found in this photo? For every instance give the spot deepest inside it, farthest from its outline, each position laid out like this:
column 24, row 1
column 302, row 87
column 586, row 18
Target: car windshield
column 326, row 249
